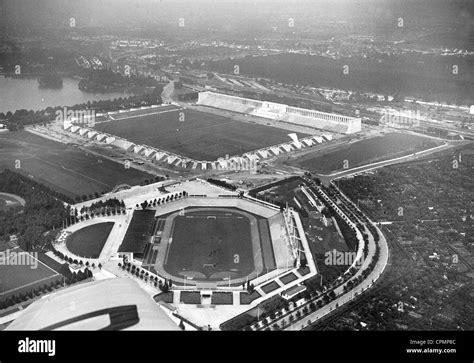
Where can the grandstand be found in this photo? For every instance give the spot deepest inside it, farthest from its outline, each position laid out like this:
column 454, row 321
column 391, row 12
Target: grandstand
column 231, row 103
column 282, row 113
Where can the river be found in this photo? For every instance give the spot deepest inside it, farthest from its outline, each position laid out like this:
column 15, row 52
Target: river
column 16, row 94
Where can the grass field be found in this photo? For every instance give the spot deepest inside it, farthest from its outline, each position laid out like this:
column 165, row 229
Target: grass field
column 16, row 278
column 270, row 287
column 213, row 247
column 222, row 298
column 288, row 278
column 246, row 298
column 89, row 241
column 363, row 152
column 62, row 167
column 201, row 135
column 190, row 297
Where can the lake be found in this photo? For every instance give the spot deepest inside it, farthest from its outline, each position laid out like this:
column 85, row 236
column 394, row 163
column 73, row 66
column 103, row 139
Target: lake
column 16, row 94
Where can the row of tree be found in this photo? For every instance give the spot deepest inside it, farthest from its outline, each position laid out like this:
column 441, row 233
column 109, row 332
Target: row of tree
column 18, row 119
column 65, row 270
column 145, row 275
column 71, row 278
column 222, row 184
column 103, row 206
column 157, row 201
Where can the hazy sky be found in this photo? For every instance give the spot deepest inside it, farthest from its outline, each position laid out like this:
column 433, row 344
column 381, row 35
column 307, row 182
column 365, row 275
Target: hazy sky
column 52, row 13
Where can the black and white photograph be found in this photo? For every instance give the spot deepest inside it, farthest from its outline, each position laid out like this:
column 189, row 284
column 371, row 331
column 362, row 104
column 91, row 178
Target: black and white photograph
column 277, row 178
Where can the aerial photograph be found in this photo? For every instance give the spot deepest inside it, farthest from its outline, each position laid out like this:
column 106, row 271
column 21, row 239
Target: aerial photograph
column 188, row 166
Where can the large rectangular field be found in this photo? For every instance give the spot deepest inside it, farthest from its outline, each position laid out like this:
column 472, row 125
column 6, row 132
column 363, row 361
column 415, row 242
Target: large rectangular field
column 210, row 245
column 367, row 151
column 63, row 167
column 196, row 134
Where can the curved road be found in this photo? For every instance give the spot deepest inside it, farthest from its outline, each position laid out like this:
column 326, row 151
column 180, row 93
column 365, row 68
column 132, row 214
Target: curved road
column 343, row 298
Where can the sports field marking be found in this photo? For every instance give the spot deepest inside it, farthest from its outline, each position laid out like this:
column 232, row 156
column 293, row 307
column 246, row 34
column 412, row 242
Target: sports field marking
column 169, row 243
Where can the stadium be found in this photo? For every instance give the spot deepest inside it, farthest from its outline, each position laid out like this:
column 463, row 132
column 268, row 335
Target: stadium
column 210, row 245
column 197, row 138
column 210, row 242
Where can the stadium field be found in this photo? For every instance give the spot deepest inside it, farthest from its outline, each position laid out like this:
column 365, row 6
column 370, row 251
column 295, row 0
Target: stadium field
column 200, row 135
column 210, row 245
column 16, row 277
column 367, row 151
column 89, row 241
column 61, row 167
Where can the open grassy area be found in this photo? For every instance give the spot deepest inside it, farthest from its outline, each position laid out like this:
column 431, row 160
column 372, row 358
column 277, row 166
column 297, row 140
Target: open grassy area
column 363, row 152
column 246, row 298
column 190, row 297
column 270, row 287
column 213, row 244
column 165, row 297
column 19, row 277
column 222, row 298
column 62, row 167
column 201, row 135
column 89, row 241
column 288, row 278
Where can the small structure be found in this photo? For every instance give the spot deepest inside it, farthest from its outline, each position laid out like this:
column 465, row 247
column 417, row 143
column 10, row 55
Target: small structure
column 293, row 291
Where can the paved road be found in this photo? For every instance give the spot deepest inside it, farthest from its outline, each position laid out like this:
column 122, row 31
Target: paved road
column 343, row 298
column 347, row 297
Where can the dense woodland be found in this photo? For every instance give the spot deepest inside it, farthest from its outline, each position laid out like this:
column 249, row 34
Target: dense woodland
column 35, row 223
column 107, row 81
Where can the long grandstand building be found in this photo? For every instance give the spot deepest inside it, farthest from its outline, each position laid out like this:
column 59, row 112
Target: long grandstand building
column 282, row 113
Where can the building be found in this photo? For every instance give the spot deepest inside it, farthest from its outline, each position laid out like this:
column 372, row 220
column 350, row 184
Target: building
column 282, row 113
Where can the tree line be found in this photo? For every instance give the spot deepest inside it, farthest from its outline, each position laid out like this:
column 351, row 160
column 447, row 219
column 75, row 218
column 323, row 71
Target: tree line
column 18, row 119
